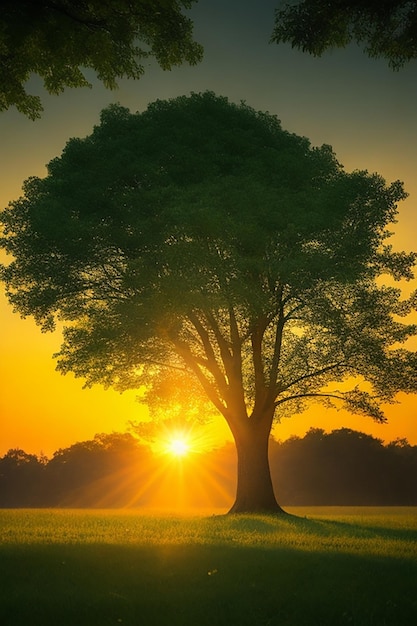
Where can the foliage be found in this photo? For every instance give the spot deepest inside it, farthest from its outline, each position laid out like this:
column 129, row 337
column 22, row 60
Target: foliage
column 59, row 39
column 344, row 467
column 387, row 28
column 103, row 472
column 21, row 476
column 200, row 238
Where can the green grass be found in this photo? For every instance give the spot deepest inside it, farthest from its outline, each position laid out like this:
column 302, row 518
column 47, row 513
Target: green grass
column 327, row 566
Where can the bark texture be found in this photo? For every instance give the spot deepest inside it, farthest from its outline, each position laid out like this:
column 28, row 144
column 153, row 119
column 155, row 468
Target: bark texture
column 255, row 492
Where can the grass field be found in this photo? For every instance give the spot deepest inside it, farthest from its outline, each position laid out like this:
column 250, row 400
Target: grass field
column 327, row 566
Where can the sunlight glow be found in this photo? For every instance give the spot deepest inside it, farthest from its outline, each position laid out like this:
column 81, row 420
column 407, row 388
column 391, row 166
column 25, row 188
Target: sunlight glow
column 178, row 447
column 179, row 477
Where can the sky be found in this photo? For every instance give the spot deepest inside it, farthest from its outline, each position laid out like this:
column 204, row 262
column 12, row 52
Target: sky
column 358, row 105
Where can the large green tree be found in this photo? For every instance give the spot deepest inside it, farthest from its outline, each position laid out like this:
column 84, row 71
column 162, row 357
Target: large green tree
column 386, row 28
column 202, row 252
column 59, row 39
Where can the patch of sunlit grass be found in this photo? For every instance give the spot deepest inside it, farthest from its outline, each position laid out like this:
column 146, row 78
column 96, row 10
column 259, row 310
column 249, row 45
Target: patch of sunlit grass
column 106, row 567
column 393, row 532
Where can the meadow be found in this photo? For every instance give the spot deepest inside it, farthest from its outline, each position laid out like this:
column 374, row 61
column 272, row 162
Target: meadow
column 317, row 567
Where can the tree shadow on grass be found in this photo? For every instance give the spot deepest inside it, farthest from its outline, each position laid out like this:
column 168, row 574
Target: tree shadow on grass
column 202, row 585
column 354, row 528
column 366, row 530
column 269, row 524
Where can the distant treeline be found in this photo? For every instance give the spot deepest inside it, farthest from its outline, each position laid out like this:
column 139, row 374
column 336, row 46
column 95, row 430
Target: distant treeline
column 344, row 467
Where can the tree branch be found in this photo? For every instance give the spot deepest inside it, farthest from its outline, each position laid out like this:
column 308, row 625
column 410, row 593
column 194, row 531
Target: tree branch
column 229, row 380
column 319, row 372
column 257, row 335
column 221, row 342
column 168, row 365
column 211, row 362
column 185, row 353
column 90, row 23
column 277, row 352
column 235, row 375
column 308, row 395
column 236, row 345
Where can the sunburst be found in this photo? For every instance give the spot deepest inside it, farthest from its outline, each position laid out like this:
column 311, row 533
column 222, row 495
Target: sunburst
column 178, row 446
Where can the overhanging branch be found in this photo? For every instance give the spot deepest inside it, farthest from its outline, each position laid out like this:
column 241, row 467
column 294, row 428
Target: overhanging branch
column 319, row 372
column 277, row 352
column 211, row 362
column 308, row 395
column 185, row 353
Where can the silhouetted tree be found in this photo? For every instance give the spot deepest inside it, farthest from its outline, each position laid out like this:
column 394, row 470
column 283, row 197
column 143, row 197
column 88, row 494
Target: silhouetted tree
column 387, row 28
column 58, row 39
column 401, row 473
column 200, row 252
column 344, row 467
column 21, row 477
column 105, row 471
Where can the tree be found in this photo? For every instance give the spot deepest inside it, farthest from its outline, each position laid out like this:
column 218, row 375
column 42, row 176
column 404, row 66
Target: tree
column 344, row 467
column 387, row 28
column 199, row 251
column 20, row 478
column 104, row 471
column 58, row 39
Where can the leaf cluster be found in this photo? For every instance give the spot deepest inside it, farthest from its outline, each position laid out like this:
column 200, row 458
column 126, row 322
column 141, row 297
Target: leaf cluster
column 59, row 39
column 386, row 28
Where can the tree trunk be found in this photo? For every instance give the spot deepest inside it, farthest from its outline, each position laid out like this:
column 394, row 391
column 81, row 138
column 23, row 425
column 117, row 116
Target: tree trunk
column 255, row 493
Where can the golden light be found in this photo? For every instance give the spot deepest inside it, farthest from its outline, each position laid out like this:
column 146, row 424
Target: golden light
column 179, row 446
column 181, row 477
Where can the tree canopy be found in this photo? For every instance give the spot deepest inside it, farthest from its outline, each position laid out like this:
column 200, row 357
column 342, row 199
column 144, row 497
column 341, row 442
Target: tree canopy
column 59, row 39
column 387, row 28
column 199, row 246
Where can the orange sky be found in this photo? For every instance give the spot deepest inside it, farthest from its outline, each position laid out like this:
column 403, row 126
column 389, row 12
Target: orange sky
column 358, row 105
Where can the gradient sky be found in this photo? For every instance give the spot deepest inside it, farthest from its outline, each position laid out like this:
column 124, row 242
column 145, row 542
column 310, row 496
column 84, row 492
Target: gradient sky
column 362, row 108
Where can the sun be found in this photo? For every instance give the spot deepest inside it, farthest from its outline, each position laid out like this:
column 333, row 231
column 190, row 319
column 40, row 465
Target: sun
column 178, row 446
